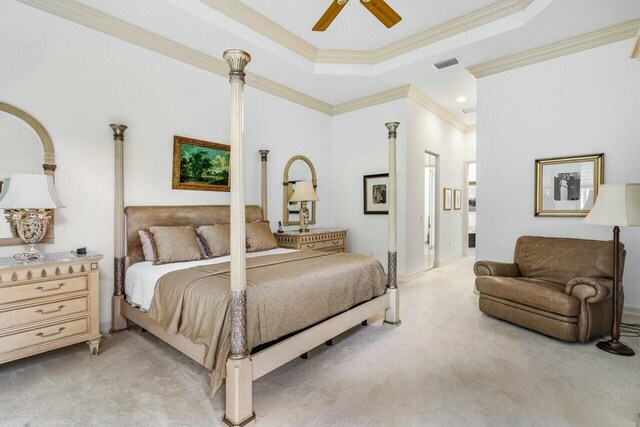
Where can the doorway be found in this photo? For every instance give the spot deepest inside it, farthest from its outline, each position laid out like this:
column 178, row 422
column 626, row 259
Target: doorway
column 431, row 161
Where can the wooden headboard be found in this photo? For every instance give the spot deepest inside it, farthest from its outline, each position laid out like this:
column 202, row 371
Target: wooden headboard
column 141, row 217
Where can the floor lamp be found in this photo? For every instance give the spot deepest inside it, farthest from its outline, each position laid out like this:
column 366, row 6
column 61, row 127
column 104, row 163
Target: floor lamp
column 617, row 205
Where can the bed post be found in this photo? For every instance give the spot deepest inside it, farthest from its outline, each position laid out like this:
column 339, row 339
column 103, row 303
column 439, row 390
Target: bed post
column 118, row 322
column 392, row 314
column 239, row 405
column 263, row 157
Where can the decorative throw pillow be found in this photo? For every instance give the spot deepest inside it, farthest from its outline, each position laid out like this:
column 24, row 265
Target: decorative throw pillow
column 260, row 237
column 216, row 239
column 147, row 245
column 175, row 244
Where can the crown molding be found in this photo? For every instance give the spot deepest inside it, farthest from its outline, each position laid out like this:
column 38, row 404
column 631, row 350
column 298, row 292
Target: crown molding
column 470, row 128
column 636, row 48
column 371, row 100
column 456, row 26
column 252, row 19
column 90, row 17
column 568, row 46
column 419, row 97
column 404, row 92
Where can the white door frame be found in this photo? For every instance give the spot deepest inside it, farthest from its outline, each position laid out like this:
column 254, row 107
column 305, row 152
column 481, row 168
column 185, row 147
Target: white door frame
column 436, row 198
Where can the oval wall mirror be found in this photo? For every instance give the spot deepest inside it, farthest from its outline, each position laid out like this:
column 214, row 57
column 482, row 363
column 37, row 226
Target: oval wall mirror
column 298, row 168
column 25, row 147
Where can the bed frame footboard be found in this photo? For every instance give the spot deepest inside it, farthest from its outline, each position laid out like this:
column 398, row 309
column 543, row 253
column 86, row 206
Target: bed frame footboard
column 278, row 354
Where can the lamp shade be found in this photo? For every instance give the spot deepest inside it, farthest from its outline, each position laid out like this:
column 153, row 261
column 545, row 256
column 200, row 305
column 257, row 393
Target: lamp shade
column 304, row 192
column 616, row 205
column 29, row 191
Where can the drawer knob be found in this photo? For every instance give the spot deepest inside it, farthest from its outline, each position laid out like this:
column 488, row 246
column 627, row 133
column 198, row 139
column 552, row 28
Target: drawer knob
column 40, row 288
column 311, row 246
column 335, row 242
column 43, row 335
column 41, row 311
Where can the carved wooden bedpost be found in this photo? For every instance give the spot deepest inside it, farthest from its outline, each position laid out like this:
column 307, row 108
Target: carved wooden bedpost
column 239, row 405
column 263, row 157
column 118, row 322
column 392, row 314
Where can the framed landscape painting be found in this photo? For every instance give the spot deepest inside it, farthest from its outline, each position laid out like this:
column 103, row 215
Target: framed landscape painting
column 568, row 186
column 375, row 194
column 200, row 165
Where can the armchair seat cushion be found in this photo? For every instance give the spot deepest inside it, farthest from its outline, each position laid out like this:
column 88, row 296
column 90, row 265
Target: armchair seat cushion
column 540, row 294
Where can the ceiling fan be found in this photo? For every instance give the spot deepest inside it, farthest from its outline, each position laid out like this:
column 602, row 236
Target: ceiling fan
column 379, row 8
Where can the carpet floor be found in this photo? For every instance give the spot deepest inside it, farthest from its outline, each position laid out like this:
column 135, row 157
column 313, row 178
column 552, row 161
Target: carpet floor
column 446, row 365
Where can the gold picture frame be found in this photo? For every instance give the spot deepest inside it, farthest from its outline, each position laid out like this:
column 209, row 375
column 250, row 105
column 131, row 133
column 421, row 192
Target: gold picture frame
column 200, row 165
column 560, row 186
column 447, row 199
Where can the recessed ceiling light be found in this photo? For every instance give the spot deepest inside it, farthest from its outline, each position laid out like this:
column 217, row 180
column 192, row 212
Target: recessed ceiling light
column 461, row 99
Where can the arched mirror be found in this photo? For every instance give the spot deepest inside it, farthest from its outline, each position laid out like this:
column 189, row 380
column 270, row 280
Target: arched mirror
column 298, row 168
column 25, row 147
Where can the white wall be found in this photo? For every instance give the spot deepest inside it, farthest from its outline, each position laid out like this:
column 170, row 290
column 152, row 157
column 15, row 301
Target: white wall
column 76, row 81
column 360, row 146
column 579, row 104
column 427, row 132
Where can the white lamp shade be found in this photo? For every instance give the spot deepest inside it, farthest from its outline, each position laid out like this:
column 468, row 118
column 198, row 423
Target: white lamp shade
column 304, row 192
column 29, row 191
column 616, row 205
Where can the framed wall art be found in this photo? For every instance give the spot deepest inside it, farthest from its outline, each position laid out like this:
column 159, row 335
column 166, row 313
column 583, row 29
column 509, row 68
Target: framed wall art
column 200, row 165
column 472, row 196
column 457, row 200
column 447, row 199
column 567, row 186
column 375, row 194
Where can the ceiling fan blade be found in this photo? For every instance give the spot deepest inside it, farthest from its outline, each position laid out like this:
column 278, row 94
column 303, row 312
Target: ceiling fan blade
column 328, row 17
column 381, row 10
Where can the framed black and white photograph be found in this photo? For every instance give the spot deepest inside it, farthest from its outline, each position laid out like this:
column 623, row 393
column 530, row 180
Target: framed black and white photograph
column 375, row 189
column 568, row 186
column 457, row 200
column 447, row 199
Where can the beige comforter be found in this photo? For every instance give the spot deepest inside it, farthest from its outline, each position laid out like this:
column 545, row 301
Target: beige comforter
column 285, row 293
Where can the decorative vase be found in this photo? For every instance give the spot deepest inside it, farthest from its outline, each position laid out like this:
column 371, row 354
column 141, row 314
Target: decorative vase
column 31, row 227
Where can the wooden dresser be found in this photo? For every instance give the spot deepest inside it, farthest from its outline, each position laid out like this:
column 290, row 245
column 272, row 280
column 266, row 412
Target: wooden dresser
column 48, row 304
column 319, row 239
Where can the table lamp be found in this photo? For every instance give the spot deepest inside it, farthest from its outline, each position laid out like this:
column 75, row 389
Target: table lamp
column 26, row 199
column 304, row 192
column 617, row 205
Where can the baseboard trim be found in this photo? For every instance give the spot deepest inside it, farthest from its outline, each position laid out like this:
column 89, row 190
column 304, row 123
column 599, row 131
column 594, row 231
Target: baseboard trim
column 105, row 327
column 631, row 315
column 449, row 260
column 404, row 278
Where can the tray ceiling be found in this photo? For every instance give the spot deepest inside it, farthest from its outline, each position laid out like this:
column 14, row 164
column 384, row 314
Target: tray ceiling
column 355, row 28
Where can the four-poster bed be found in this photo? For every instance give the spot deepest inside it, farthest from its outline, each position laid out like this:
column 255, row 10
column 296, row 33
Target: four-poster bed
column 242, row 367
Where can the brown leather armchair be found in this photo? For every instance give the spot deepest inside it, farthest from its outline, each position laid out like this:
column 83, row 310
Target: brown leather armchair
column 558, row 287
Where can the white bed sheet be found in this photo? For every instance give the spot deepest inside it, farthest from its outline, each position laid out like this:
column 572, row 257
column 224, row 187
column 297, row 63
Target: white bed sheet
column 141, row 278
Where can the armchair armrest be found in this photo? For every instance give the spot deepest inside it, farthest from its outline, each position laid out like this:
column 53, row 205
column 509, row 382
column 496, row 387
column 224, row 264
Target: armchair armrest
column 589, row 289
column 492, row 268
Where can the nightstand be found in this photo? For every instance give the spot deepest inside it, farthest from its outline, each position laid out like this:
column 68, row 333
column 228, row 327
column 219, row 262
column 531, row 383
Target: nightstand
column 319, row 239
column 48, row 304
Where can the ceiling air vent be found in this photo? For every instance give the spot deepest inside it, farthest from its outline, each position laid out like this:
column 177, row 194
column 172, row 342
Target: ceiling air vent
column 469, row 110
column 446, row 63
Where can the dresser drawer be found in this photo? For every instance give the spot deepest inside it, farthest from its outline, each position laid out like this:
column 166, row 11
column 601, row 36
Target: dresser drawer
column 322, row 244
column 42, row 289
column 46, row 311
column 43, row 335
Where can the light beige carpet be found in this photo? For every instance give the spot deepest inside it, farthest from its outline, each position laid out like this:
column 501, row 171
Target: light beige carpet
column 446, row 365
